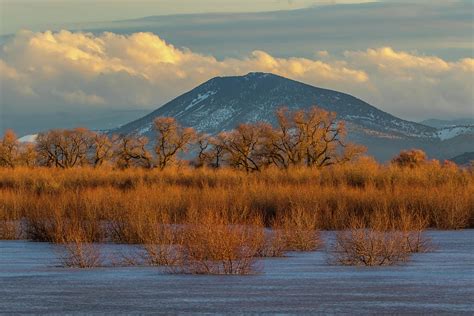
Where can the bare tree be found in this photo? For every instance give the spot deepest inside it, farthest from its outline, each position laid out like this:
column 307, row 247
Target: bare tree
column 171, row 139
column 283, row 145
column 27, row 155
column 9, row 149
column 101, row 149
column 244, row 146
column 203, row 143
column 130, row 151
column 320, row 134
column 217, row 150
column 313, row 138
column 210, row 150
column 64, row 148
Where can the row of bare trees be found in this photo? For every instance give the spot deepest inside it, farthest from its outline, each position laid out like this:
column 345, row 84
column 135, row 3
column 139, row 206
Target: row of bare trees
column 312, row 138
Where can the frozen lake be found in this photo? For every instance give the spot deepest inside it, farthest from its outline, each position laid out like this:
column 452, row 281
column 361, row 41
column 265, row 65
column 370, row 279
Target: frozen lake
column 438, row 282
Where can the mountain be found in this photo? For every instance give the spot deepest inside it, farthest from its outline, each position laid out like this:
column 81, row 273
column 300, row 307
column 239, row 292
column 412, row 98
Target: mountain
column 31, row 138
column 33, row 122
column 224, row 102
column 448, row 123
column 454, row 131
column 463, row 159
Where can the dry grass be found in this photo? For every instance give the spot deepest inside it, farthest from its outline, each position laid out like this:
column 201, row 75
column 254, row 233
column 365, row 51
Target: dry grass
column 156, row 208
column 10, row 230
column 129, row 201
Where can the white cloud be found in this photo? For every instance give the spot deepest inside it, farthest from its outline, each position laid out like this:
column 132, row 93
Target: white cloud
column 67, row 69
column 414, row 85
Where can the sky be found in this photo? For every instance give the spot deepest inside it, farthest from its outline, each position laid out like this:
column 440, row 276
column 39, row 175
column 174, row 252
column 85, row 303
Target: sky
column 102, row 63
column 45, row 14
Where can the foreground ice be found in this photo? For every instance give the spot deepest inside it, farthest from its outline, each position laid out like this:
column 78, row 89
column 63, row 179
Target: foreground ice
column 438, row 282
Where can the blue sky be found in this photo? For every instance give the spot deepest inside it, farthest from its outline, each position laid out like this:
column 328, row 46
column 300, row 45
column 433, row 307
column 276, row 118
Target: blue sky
column 65, row 62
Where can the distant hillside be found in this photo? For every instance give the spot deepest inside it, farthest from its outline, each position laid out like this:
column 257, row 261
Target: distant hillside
column 463, row 159
column 447, row 123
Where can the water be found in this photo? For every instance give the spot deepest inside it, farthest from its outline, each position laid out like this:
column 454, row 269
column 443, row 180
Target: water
column 440, row 282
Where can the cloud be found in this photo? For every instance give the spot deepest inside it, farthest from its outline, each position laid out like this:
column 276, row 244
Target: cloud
column 414, row 85
column 65, row 70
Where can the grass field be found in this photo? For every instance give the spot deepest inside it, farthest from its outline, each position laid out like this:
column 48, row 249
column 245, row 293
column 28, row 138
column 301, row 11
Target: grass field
column 216, row 214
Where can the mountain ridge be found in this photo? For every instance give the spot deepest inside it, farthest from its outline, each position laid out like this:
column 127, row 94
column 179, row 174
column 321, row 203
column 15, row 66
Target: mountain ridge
column 222, row 103
column 439, row 123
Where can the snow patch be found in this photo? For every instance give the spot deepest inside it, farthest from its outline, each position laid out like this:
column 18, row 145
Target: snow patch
column 145, row 129
column 256, row 75
column 357, row 117
column 28, row 138
column 216, row 118
column 453, row 131
column 200, row 98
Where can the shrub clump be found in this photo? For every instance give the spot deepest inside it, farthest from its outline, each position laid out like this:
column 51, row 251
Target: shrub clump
column 211, row 244
column 78, row 252
column 380, row 240
column 296, row 230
